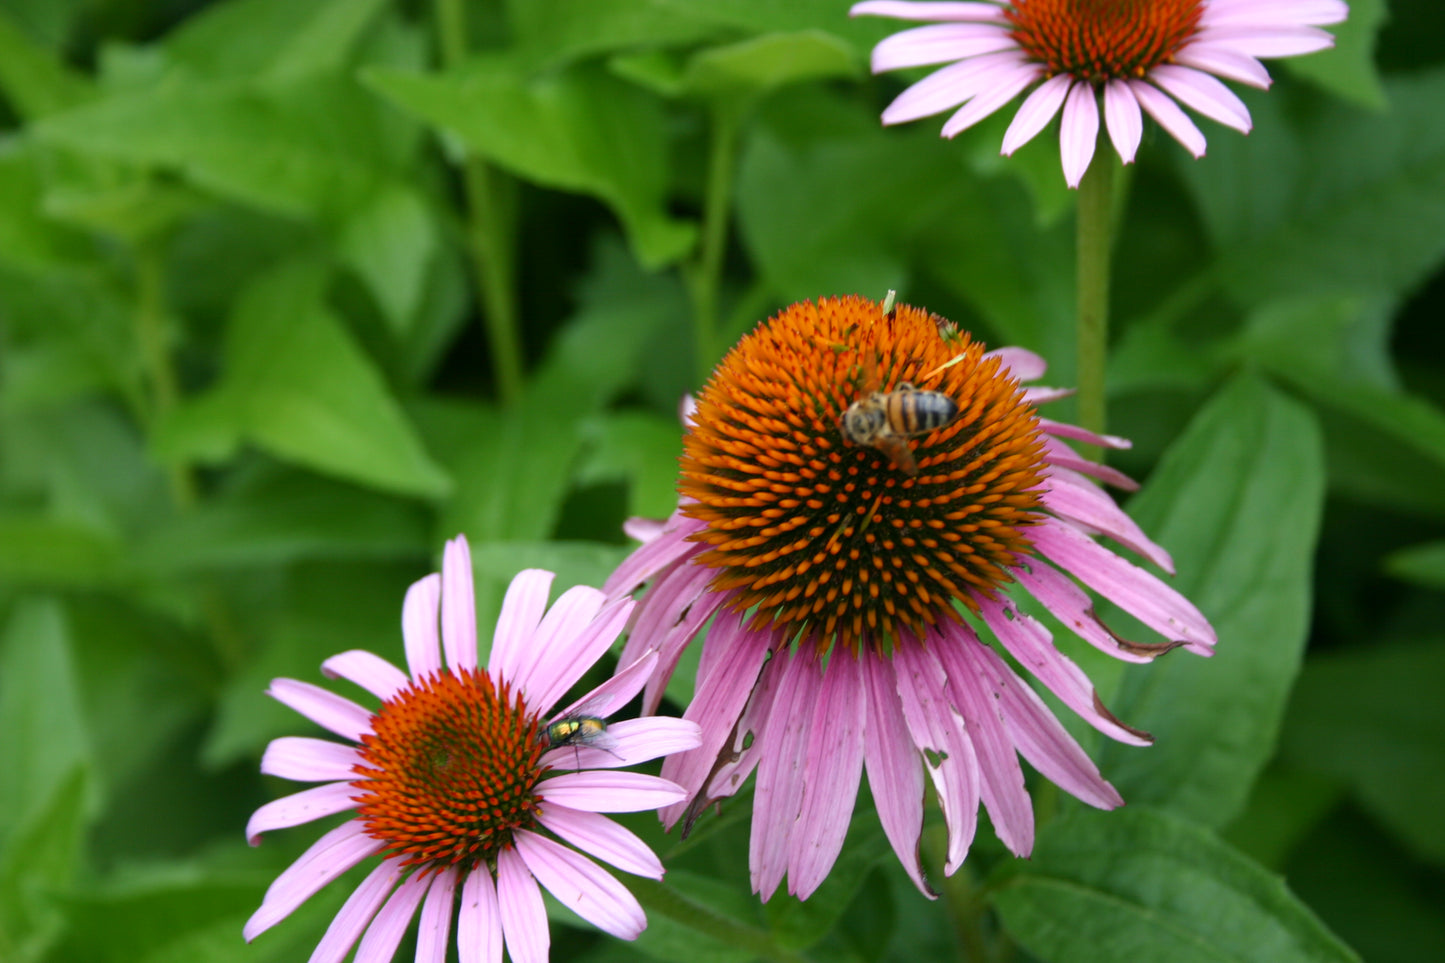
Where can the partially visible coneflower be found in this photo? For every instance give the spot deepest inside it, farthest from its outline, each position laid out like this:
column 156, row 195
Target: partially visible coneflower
column 453, row 783
column 1137, row 53
column 846, row 582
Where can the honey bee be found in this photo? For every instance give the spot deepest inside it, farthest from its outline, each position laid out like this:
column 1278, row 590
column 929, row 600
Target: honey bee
column 578, row 729
column 885, row 420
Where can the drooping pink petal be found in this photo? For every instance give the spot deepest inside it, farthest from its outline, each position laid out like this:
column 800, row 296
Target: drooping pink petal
column 603, row 838
column 924, row 10
column 1199, row 90
column 1125, row 584
column 1072, row 606
column 304, row 759
column 328, row 857
column 1030, row 643
column 1040, row 396
column 582, row 886
column 940, row 43
column 947, row 87
column 603, row 791
column 459, row 606
column 1078, row 132
column 479, row 922
column 677, row 606
column 741, row 753
column 1036, row 111
column 1062, row 455
column 327, row 709
column 356, row 913
column 419, row 626
column 1003, row 85
column 391, row 921
column 1225, row 62
column 1080, row 501
column 433, row 930
column 523, row 915
column 641, row 529
column 1061, row 429
column 895, row 776
column 632, row 741
column 948, row 756
column 302, row 807
column 371, row 672
column 1158, row 105
column 653, row 556
column 1022, row 363
column 778, row 791
column 1123, row 119
column 522, row 609
column 834, row 764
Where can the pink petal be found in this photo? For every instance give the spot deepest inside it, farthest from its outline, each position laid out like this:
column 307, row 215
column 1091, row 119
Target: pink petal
column 744, row 748
column 519, row 904
column 677, row 626
column 937, row 730
column 386, row 930
column 1062, row 429
column 479, row 923
column 328, row 857
column 1040, row 396
column 599, row 836
column 1021, row 363
column 602, row 791
column 641, row 529
column 309, row 760
column 301, row 807
column 522, row 609
column 1005, row 84
column 1072, row 606
column 419, row 626
column 1267, row 42
column 1037, row 110
column 327, row 709
column 1063, row 456
column 1002, row 778
column 355, row 913
column 1274, row 13
column 1125, row 584
column 371, row 672
column 894, row 774
column 778, row 790
column 1125, row 122
column 1042, row 739
column 654, row 556
column 1203, row 93
column 1078, row 132
column 459, row 606
column 1082, row 502
column 633, row 741
column 433, row 930
column 1029, row 642
column 1225, row 62
column 582, row 886
column 615, row 693
column 569, row 641
column 834, row 764
column 940, row 43
column 1158, row 105
column 948, row 87
column 905, row 10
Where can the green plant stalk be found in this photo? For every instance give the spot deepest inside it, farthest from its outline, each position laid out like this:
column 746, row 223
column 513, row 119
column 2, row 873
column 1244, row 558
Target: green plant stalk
column 1095, row 214
column 961, row 899
column 489, row 229
column 707, row 271
column 150, row 337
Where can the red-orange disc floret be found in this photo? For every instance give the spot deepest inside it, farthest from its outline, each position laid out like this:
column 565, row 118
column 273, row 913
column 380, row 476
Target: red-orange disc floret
column 831, row 541
column 450, row 770
column 1099, row 40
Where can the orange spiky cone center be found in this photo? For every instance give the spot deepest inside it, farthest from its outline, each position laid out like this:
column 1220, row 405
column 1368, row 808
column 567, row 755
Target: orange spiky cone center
column 1100, row 40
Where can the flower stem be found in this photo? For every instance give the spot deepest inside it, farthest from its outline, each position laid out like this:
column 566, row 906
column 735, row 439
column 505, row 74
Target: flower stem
column 1095, row 213
column 707, row 272
column 489, row 228
column 966, row 910
column 150, row 313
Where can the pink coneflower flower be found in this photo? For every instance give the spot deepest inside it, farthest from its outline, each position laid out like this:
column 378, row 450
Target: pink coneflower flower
column 846, row 591
column 1138, row 53
column 457, row 785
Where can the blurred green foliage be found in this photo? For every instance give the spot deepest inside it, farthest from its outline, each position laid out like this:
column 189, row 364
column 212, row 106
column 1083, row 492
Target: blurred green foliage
column 248, row 250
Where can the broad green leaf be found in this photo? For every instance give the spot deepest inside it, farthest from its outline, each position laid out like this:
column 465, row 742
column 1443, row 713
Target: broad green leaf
column 38, row 861
column 1365, row 221
column 1422, row 564
column 275, row 38
column 1286, row 807
column 36, row 550
column 48, row 21
column 574, row 563
column 1371, row 717
column 579, row 130
column 35, row 81
column 32, row 239
column 1349, row 71
column 1137, row 884
column 769, row 16
column 1237, row 501
column 798, row 924
column 692, row 918
column 298, row 386
column 550, row 32
column 640, row 448
column 746, row 69
column 390, row 242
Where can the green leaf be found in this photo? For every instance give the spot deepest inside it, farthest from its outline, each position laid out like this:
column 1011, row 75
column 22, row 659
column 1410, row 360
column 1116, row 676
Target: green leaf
column 390, row 242
column 746, row 69
column 1422, row 564
column 1237, row 501
column 275, row 38
column 1348, row 71
column 1286, row 807
column 1139, row 885
column 297, row 386
column 38, row 860
column 639, row 448
column 551, row 32
column 1371, row 717
column 579, row 130
column 36, row 82
column 574, row 563
column 36, row 550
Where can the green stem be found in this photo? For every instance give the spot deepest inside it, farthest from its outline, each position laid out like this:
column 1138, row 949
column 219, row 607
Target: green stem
column 1094, row 222
column 661, row 899
column 489, row 228
column 966, row 909
column 707, row 272
column 150, row 333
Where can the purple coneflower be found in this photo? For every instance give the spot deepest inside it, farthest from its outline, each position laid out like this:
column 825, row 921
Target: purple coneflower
column 1138, row 53
column 845, row 592
column 454, row 784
